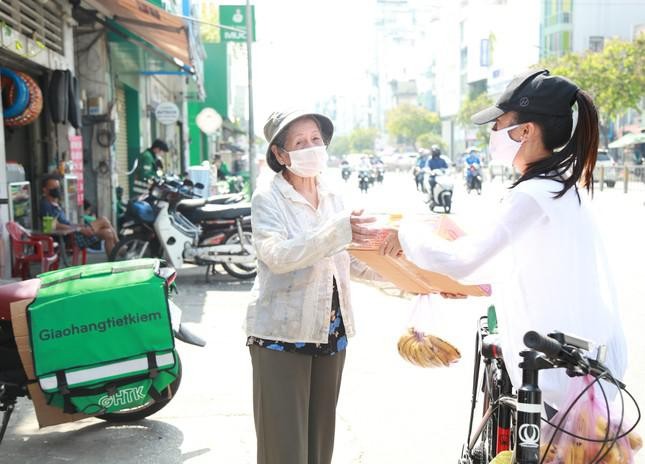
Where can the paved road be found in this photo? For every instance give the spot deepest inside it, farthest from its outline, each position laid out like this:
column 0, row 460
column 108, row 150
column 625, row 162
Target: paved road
column 389, row 412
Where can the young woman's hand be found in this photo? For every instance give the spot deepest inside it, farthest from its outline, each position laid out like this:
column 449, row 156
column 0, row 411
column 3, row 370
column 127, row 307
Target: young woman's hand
column 391, row 245
column 360, row 233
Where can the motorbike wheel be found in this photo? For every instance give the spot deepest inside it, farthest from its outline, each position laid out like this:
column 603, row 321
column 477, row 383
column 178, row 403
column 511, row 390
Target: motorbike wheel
column 241, row 271
column 132, row 248
column 447, row 203
column 148, row 409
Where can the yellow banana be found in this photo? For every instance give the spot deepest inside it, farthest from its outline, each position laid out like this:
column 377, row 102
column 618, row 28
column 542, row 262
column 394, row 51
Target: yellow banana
column 551, row 455
column 578, row 452
column 568, row 456
column 451, row 352
column 635, row 441
column 441, row 356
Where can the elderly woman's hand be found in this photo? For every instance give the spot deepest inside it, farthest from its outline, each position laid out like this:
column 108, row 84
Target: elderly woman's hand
column 391, row 245
column 360, row 233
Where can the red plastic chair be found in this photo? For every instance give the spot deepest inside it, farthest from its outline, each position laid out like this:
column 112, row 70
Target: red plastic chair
column 79, row 255
column 28, row 248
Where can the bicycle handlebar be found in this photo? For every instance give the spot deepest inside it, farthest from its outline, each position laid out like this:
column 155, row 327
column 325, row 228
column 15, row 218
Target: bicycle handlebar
column 547, row 345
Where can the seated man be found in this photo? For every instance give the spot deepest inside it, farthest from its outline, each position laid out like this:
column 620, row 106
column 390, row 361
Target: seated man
column 85, row 235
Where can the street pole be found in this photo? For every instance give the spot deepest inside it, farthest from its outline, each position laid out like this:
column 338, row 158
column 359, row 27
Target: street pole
column 249, row 42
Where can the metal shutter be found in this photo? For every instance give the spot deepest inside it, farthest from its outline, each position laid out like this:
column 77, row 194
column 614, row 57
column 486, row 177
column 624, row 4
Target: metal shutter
column 122, row 143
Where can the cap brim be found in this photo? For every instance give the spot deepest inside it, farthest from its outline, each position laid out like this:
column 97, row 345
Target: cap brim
column 488, row 115
column 326, row 127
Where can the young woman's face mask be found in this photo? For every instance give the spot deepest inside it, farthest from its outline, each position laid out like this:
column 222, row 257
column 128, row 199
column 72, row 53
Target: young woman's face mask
column 502, row 148
column 308, row 162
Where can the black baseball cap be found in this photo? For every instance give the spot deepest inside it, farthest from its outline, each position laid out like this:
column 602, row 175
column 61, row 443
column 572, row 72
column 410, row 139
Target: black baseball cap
column 535, row 92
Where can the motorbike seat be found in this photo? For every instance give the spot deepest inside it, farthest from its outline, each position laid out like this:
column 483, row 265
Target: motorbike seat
column 24, row 290
column 225, row 198
column 220, row 212
column 192, row 203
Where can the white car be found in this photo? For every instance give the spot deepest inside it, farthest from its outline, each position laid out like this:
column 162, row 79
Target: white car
column 608, row 164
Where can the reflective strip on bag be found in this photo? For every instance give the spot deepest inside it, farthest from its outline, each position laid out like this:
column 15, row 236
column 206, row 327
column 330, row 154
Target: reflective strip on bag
column 108, row 371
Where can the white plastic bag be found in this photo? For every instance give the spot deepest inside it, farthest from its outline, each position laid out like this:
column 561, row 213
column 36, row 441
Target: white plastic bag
column 425, row 342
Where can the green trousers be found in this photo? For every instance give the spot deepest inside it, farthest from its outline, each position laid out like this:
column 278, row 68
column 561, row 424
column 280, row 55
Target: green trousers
column 294, row 404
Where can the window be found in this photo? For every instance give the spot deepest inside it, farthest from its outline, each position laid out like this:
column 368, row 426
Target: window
column 596, row 43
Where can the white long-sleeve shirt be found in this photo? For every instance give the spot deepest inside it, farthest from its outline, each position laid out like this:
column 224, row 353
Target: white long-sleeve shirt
column 300, row 250
column 549, row 271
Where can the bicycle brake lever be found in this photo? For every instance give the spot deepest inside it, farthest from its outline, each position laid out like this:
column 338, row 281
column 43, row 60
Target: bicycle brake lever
column 598, row 369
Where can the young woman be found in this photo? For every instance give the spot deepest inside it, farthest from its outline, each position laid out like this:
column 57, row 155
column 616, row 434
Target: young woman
column 542, row 252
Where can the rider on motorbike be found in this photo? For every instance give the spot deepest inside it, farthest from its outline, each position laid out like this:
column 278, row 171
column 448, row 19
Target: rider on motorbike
column 435, row 162
column 346, row 169
column 472, row 159
column 422, row 161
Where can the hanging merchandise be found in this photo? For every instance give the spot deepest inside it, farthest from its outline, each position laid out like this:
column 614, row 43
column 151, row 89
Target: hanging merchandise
column 74, row 108
column 57, row 95
column 35, row 106
column 15, row 94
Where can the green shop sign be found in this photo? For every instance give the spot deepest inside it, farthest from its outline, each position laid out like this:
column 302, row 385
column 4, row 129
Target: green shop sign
column 235, row 16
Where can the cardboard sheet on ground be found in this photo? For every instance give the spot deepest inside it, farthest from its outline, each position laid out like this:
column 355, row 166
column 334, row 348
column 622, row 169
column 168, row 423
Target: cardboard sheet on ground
column 409, row 277
column 45, row 414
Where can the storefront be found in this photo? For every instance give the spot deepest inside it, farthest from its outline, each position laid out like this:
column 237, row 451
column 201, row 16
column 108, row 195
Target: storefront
column 147, row 60
column 38, row 101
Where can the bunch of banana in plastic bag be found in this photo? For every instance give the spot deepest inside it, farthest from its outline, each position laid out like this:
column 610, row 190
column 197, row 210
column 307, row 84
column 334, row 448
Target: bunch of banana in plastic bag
column 425, row 350
column 578, row 451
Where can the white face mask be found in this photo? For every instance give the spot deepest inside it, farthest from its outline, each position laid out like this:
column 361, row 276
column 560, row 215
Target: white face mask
column 502, row 148
column 308, row 162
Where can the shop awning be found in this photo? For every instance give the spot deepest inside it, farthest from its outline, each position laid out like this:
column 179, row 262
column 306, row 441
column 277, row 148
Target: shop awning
column 628, row 139
column 228, row 125
column 153, row 24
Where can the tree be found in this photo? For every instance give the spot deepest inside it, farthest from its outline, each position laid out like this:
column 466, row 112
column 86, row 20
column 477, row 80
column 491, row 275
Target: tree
column 429, row 139
column 362, row 139
column 615, row 76
column 209, row 13
column 407, row 122
column 469, row 107
column 340, row 145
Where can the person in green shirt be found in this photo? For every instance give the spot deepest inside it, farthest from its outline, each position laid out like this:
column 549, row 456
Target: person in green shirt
column 222, row 168
column 149, row 161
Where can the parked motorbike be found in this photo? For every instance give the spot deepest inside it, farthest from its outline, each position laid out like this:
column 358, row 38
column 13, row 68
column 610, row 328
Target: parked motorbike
column 474, row 178
column 13, row 379
column 169, row 224
column 441, row 195
column 364, row 180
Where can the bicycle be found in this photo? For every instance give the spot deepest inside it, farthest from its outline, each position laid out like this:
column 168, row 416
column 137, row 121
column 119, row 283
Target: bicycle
column 513, row 421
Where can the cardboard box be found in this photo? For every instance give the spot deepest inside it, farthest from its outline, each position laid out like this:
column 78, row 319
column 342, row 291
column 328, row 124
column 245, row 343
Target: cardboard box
column 46, row 415
column 410, row 278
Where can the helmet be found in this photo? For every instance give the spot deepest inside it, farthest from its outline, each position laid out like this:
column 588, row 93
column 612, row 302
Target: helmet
column 435, row 150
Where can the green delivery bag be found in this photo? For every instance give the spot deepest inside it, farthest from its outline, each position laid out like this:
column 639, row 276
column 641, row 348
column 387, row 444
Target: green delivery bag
column 102, row 337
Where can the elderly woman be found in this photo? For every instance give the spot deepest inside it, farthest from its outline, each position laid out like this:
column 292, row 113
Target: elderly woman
column 300, row 316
